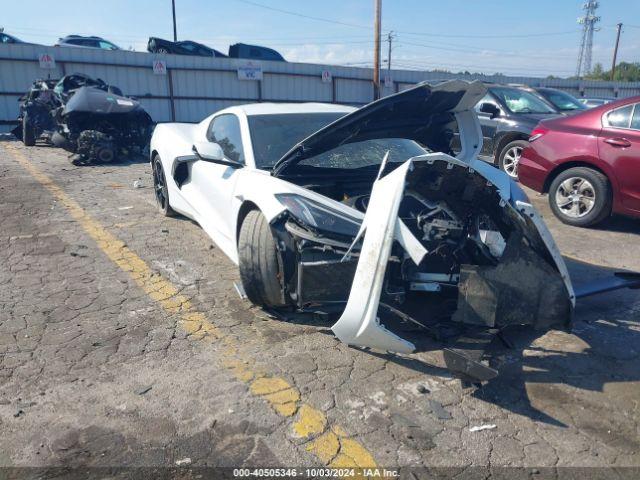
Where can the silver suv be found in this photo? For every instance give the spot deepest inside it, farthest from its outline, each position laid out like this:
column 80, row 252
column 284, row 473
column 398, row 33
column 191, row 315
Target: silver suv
column 86, row 42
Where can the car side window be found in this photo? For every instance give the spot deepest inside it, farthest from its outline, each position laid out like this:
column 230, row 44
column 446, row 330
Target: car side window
column 106, row 45
column 225, row 131
column 635, row 118
column 486, row 99
column 85, row 43
column 620, row 117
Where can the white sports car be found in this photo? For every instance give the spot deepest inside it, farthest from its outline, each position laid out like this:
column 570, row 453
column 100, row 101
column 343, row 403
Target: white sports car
column 380, row 217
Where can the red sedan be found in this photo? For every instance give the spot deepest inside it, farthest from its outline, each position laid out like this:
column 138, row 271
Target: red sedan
column 588, row 163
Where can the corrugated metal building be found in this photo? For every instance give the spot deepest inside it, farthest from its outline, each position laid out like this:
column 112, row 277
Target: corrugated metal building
column 194, row 87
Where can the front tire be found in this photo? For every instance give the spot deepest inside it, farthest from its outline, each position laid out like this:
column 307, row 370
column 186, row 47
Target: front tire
column 509, row 157
column 258, row 262
column 161, row 189
column 28, row 131
column 580, row 197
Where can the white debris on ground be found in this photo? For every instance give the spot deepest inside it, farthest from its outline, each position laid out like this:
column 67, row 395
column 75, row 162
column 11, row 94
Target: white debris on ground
column 479, row 428
column 184, row 461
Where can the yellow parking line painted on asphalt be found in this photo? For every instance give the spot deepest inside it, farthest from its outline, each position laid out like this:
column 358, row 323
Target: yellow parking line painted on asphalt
column 331, row 445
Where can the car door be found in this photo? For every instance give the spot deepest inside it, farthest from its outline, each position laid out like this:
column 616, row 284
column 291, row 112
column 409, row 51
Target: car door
column 213, row 184
column 488, row 125
column 619, row 146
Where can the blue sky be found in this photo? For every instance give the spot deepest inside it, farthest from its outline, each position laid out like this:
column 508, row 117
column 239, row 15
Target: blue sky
column 515, row 37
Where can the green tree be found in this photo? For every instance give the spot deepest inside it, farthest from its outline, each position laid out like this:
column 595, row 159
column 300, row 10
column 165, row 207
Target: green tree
column 625, row 72
column 597, row 73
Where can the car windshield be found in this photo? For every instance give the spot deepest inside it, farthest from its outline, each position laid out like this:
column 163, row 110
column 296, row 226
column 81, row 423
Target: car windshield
column 521, row 101
column 562, row 101
column 274, row 135
column 366, row 153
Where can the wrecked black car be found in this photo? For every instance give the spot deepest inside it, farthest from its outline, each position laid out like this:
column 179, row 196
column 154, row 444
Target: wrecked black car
column 35, row 118
column 85, row 116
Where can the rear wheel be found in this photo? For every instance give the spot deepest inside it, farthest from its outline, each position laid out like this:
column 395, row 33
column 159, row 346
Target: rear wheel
column 258, row 262
column 580, row 197
column 161, row 189
column 510, row 157
column 28, row 131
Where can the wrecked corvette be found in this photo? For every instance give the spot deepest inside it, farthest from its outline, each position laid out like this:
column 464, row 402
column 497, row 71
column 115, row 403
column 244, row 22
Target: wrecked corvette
column 383, row 220
column 84, row 116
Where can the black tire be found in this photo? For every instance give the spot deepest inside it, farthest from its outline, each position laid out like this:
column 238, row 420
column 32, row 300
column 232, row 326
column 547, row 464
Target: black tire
column 28, row 132
column 160, row 188
column 509, row 157
column 258, row 261
column 581, row 197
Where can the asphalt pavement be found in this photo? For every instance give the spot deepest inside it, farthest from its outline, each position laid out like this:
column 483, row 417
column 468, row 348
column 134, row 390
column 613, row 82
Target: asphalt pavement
column 123, row 342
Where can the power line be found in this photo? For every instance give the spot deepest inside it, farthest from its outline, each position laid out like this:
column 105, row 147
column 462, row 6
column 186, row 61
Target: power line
column 482, row 50
column 338, row 22
column 302, row 15
column 517, row 35
column 278, row 44
column 489, row 67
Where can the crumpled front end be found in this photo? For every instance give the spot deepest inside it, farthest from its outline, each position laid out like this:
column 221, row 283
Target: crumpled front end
column 485, row 253
column 438, row 241
column 435, row 245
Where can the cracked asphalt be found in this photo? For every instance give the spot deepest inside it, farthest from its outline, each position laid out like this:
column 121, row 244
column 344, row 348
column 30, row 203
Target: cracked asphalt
column 124, row 342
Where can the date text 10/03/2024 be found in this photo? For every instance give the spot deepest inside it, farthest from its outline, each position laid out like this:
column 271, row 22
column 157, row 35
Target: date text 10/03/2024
column 316, row 472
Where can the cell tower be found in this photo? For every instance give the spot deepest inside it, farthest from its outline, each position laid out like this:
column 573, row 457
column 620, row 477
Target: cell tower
column 588, row 22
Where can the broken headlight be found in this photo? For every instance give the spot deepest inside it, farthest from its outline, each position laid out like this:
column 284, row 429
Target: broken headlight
column 319, row 216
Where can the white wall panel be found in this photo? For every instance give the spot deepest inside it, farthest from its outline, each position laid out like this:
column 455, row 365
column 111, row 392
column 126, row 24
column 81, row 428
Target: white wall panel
column 203, row 85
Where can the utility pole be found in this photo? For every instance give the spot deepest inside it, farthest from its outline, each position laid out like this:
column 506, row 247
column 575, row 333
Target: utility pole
column 389, row 39
column 615, row 52
column 376, row 49
column 175, row 31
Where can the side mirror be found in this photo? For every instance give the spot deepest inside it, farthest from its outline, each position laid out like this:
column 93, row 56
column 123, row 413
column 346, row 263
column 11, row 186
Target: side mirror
column 490, row 109
column 212, row 152
column 208, row 151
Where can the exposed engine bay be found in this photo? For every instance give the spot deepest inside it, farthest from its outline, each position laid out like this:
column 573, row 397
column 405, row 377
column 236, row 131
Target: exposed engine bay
column 472, row 246
column 84, row 116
